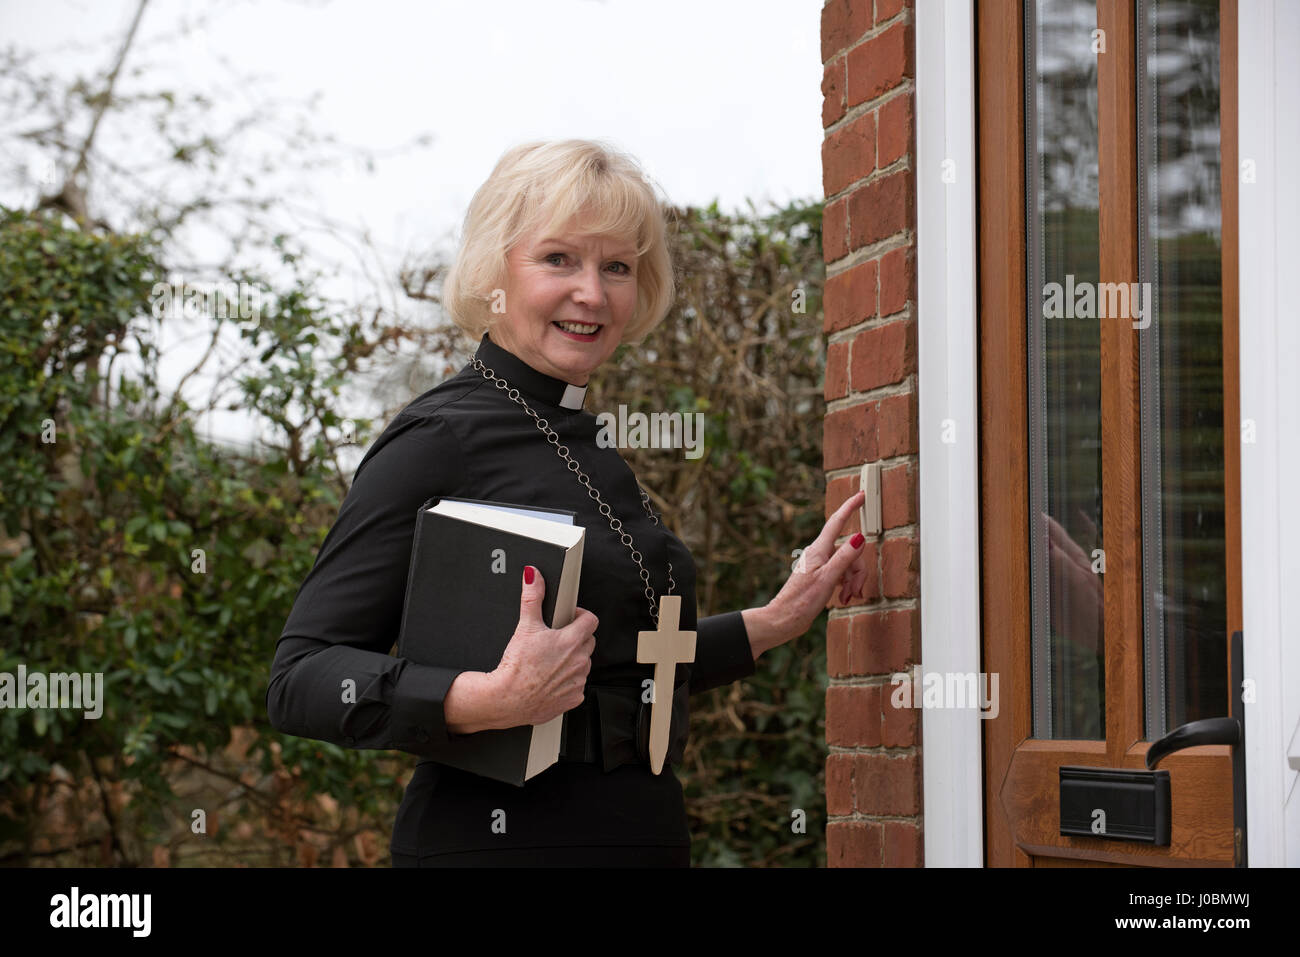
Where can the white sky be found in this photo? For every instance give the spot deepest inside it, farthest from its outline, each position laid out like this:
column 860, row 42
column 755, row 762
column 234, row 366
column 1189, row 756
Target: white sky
column 718, row 99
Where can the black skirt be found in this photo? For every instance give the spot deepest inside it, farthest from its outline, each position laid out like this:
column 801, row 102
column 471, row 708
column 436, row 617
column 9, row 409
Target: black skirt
column 572, row 815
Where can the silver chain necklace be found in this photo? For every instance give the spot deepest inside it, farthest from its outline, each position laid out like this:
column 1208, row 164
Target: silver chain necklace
column 563, row 452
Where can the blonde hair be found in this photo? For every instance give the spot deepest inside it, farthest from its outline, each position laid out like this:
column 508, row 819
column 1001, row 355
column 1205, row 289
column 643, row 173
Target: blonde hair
column 549, row 185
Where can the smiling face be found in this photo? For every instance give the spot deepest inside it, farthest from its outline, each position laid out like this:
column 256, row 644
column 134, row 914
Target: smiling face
column 568, row 300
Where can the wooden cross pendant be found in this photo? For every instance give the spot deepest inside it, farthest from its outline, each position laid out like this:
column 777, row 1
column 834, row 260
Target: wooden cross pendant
column 664, row 648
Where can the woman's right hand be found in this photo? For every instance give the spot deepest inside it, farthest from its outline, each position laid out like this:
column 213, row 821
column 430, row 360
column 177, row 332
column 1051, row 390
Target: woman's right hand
column 543, row 671
column 1077, row 605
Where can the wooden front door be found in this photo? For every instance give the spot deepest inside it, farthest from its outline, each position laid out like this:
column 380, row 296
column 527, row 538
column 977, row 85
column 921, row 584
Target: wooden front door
column 1109, row 435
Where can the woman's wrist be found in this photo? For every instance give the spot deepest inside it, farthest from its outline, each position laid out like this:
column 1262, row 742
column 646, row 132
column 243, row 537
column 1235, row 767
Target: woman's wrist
column 764, row 629
column 473, row 703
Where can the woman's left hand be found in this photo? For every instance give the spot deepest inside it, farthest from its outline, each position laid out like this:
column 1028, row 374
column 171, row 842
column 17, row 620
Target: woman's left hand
column 820, row 570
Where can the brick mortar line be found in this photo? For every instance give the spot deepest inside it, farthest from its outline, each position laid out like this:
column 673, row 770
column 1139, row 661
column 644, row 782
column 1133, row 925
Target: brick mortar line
column 892, row 604
column 878, row 749
column 907, row 387
column 889, row 534
column 895, row 533
column 849, row 333
column 857, row 817
column 908, row 532
column 876, row 174
column 867, row 681
column 888, row 604
column 876, row 30
column 851, row 470
column 863, row 681
column 852, row 113
column 856, row 257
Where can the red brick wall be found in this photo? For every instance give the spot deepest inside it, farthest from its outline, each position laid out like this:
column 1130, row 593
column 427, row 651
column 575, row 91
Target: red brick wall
column 873, row 773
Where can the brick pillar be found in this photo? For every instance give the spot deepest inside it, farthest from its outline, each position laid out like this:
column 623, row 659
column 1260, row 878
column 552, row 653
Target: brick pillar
column 873, row 773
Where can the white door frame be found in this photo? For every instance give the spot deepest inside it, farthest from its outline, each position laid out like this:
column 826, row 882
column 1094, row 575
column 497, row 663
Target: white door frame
column 947, row 380
column 1268, row 141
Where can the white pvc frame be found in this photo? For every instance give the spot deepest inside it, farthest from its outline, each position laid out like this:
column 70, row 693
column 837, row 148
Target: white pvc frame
column 1268, row 139
column 947, row 380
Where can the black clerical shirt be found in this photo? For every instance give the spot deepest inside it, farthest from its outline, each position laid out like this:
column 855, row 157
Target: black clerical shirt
column 466, row 438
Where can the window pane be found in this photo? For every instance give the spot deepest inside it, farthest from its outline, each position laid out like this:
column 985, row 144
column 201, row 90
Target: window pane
column 1180, row 252
column 1064, row 349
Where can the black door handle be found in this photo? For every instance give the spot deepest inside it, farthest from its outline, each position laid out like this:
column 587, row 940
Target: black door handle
column 1205, row 731
column 1230, row 731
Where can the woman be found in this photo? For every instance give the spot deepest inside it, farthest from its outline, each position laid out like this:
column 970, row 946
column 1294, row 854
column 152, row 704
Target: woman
column 564, row 257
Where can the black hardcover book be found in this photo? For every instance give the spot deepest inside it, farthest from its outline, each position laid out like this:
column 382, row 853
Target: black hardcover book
column 462, row 607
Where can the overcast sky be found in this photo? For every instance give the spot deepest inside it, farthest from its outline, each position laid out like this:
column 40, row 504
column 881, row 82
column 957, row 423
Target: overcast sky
column 718, row 99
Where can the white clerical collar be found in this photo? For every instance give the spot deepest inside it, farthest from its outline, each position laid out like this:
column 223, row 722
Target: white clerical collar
column 529, row 381
column 573, row 396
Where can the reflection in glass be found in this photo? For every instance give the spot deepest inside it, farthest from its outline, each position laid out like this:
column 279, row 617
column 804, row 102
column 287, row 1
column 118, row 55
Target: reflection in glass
column 1180, row 253
column 1064, row 350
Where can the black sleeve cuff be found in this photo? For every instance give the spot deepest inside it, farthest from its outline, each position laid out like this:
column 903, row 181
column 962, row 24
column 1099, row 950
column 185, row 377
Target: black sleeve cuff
column 722, row 652
column 418, row 721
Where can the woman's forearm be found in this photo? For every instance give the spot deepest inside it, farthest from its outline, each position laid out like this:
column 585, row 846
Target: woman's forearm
column 474, row 703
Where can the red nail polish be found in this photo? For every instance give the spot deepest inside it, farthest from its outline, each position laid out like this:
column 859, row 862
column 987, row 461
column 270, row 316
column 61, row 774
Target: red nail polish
column 529, row 572
column 857, row 540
